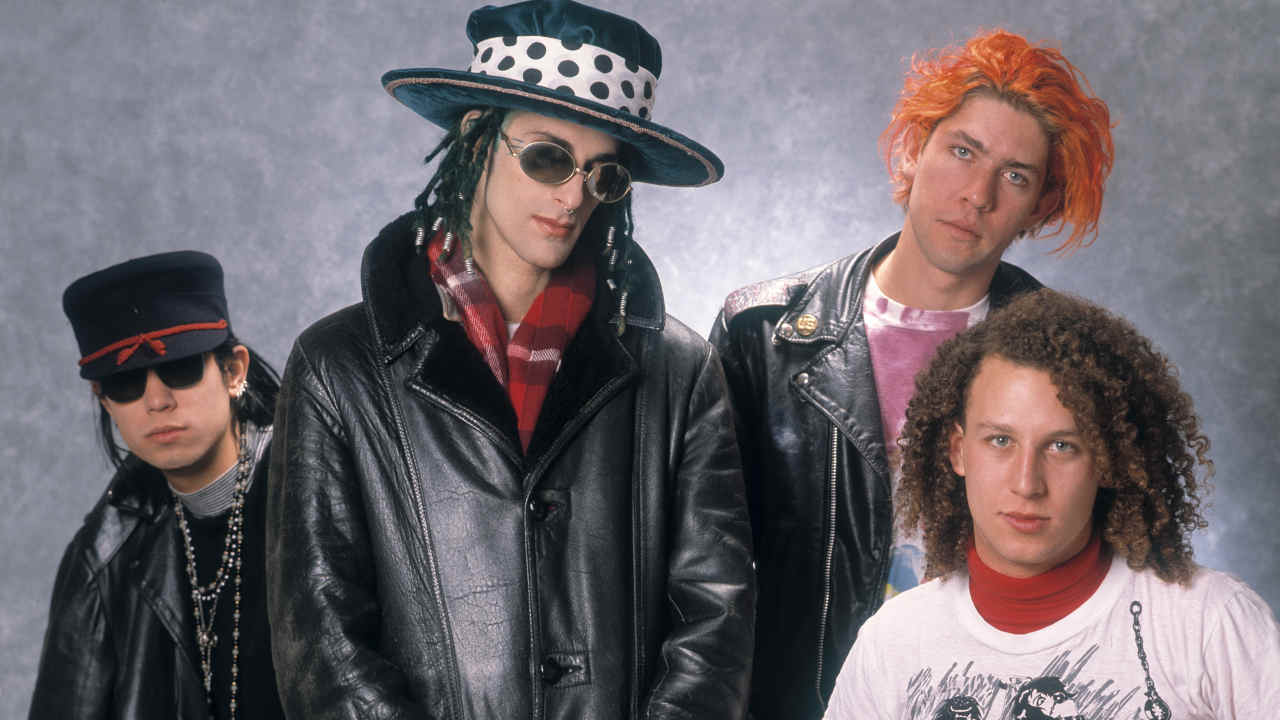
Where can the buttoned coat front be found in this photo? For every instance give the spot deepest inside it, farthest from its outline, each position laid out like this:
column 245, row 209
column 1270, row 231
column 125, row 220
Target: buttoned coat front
column 425, row 567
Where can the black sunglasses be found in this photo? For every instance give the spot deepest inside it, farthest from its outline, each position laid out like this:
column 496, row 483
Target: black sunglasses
column 127, row 386
column 551, row 164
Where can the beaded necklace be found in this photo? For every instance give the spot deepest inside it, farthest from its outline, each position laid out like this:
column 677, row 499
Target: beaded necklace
column 204, row 599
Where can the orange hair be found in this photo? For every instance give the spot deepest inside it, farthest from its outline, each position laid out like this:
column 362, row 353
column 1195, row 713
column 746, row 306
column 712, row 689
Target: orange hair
column 1036, row 80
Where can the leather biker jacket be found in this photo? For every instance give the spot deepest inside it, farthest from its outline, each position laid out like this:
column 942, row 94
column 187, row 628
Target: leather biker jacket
column 795, row 354
column 425, row 568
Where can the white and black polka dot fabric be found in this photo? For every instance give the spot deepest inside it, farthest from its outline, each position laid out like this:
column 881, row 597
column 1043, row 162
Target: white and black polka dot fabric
column 578, row 69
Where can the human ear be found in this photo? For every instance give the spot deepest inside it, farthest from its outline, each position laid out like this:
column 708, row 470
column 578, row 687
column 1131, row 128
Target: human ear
column 1048, row 202
column 468, row 120
column 236, row 369
column 955, row 442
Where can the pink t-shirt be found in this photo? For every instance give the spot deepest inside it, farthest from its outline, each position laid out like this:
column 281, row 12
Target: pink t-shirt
column 902, row 341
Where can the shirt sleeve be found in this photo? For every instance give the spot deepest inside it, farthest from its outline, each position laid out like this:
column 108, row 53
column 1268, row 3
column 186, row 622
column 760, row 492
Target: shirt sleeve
column 1242, row 659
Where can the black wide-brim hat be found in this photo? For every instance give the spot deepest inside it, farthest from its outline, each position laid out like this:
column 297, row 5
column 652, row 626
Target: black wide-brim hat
column 565, row 60
column 147, row 311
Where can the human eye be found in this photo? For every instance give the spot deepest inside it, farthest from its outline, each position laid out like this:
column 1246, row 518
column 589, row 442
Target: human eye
column 961, row 152
column 1063, row 446
column 1016, row 178
column 999, row 441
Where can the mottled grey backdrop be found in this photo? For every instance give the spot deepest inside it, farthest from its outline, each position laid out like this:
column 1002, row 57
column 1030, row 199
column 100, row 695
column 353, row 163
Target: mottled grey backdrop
column 259, row 132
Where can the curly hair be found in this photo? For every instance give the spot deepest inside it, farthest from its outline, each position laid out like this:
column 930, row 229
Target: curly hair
column 1126, row 400
column 1036, row 80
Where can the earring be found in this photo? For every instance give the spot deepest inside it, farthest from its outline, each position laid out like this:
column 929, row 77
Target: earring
column 239, row 389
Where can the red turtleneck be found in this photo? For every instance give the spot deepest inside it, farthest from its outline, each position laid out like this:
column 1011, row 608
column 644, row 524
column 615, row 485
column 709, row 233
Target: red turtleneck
column 1023, row 605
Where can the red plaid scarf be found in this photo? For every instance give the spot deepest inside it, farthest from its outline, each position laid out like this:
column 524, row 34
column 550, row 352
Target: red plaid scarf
column 526, row 364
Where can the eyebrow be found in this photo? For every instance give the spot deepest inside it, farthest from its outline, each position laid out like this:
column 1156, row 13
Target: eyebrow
column 1007, row 430
column 602, row 157
column 1009, row 162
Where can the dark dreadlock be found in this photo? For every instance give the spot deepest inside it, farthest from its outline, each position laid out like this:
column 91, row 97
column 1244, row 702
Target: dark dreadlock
column 446, row 202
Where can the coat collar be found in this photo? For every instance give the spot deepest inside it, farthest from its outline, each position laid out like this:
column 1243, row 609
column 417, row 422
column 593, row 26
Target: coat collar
column 401, row 302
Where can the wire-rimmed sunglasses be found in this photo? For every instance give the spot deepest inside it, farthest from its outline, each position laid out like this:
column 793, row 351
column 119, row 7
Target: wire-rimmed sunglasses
column 128, row 386
column 552, row 164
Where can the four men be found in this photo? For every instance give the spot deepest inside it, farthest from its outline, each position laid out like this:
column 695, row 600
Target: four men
column 507, row 484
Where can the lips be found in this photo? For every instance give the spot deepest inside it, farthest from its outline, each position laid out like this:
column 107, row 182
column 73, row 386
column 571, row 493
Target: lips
column 961, row 226
column 1025, row 522
column 551, row 227
column 165, row 433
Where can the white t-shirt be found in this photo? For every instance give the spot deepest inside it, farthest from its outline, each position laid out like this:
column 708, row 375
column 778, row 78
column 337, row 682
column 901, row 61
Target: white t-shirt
column 1213, row 650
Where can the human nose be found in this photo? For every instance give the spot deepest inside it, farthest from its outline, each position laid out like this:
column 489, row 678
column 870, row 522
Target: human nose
column 980, row 193
column 157, row 395
column 1028, row 481
column 571, row 194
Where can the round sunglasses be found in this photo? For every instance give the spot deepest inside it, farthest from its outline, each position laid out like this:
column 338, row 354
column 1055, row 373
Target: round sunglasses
column 128, row 386
column 551, row 164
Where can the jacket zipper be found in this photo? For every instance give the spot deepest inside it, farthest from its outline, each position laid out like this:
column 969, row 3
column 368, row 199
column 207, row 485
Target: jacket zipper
column 830, row 552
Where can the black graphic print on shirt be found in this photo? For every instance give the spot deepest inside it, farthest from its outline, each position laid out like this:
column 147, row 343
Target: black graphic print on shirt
column 1063, row 690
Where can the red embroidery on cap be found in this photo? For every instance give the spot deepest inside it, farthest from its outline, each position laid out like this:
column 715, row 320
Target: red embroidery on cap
column 130, row 345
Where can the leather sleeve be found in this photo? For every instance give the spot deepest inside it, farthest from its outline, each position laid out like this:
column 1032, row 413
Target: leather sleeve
column 738, row 348
column 705, row 664
column 77, row 665
column 321, row 589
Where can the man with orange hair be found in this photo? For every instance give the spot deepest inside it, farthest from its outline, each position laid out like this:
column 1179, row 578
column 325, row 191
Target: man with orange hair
column 989, row 141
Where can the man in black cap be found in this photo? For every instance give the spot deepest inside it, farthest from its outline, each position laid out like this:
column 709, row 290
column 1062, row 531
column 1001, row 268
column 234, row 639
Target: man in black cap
column 506, row 482
column 159, row 608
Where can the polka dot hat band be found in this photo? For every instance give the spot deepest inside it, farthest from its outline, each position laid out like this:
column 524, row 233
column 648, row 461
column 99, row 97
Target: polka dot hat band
column 567, row 60
column 581, row 70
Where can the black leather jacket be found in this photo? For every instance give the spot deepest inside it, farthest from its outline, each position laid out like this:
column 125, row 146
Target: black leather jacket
column 121, row 642
column 425, row 568
column 795, row 354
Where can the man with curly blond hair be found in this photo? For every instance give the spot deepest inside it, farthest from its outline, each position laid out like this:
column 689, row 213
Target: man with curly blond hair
column 989, row 141
column 1050, row 462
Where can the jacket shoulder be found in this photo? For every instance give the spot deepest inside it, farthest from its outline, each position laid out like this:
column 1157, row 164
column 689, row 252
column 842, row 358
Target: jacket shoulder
column 106, row 527
column 1009, row 282
column 776, row 293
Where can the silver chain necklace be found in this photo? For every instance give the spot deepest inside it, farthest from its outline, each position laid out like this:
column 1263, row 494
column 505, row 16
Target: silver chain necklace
column 204, row 599
column 1155, row 707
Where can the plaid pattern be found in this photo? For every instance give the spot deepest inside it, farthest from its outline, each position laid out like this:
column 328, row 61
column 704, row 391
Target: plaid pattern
column 526, row 364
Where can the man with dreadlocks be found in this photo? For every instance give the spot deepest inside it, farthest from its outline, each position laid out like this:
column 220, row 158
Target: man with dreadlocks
column 1050, row 464
column 988, row 141
column 506, row 484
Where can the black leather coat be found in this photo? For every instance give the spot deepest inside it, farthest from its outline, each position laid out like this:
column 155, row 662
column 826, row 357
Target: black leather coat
column 795, row 354
column 120, row 642
column 426, row 568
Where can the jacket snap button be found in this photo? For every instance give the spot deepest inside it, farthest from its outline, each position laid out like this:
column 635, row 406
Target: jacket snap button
column 551, row 671
column 802, row 379
column 785, row 330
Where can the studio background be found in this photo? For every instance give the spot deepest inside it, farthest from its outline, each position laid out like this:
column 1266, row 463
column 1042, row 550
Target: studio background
column 259, row 132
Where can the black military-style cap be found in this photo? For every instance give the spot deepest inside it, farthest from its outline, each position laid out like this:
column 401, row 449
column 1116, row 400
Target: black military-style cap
column 147, row 311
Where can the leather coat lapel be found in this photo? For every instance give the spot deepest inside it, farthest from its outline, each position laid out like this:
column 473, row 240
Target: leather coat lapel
column 839, row 379
column 163, row 583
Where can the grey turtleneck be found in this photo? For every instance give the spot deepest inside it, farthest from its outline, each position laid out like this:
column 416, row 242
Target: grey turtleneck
column 215, row 498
